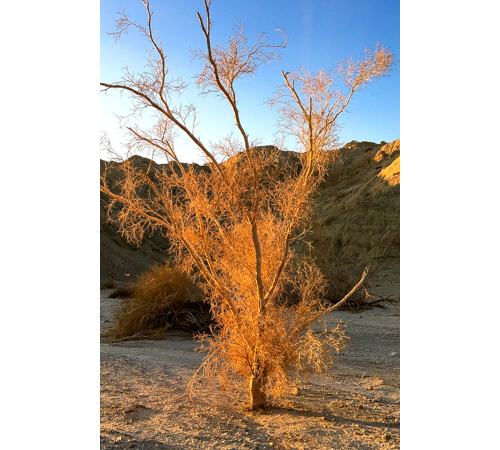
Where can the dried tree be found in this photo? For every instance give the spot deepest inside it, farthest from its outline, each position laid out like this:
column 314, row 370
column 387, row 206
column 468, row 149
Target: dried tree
column 237, row 220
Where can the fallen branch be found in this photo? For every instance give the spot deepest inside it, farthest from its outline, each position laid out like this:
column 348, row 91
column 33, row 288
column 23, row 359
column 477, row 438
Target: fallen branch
column 352, row 291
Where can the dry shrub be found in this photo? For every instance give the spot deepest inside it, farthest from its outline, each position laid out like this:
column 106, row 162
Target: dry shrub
column 126, row 291
column 238, row 221
column 108, row 284
column 165, row 297
column 276, row 349
column 167, row 284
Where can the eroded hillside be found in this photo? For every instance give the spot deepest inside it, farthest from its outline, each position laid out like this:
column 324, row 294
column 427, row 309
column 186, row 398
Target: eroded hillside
column 358, row 211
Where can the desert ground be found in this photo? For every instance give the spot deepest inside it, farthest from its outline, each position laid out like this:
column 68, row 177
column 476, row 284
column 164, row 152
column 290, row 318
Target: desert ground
column 144, row 403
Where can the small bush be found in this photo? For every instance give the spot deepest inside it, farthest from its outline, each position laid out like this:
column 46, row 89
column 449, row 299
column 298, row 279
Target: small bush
column 122, row 292
column 162, row 298
column 166, row 284
column 108, row 284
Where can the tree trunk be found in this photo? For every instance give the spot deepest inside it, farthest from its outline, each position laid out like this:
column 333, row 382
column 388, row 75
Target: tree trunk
column 257, row 394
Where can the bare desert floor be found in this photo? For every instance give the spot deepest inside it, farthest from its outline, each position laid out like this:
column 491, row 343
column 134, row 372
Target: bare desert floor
column 144, row 404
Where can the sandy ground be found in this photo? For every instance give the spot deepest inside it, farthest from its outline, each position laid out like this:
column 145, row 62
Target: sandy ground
column 144, row 404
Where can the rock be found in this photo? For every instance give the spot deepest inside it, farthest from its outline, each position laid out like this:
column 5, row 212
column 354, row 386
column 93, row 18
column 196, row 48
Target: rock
column 296, row 391
column 133, row 408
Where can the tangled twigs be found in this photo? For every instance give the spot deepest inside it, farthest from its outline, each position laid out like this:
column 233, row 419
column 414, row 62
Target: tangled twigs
column 367, row 301
column 195, row 318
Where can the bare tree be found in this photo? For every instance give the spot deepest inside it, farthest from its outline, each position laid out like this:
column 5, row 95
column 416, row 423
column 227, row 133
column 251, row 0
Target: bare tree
column 237, row 222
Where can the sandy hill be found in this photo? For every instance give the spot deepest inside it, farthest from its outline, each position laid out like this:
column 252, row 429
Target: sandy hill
column 356, row 222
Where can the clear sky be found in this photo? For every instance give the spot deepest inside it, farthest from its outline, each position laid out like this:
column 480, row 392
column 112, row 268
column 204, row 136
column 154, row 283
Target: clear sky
column 321, row 33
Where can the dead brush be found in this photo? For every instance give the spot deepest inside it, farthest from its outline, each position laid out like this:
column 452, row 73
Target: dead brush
column 287, row 343
column 165, row 297
column 122, row 292
column 108, row 284
column 339, row 277
column 237, row 223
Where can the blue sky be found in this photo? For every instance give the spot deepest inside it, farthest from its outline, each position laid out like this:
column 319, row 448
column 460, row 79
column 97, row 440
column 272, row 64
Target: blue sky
column 320, row 32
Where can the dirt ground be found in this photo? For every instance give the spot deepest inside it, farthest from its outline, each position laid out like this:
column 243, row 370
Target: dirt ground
column 144, row 404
